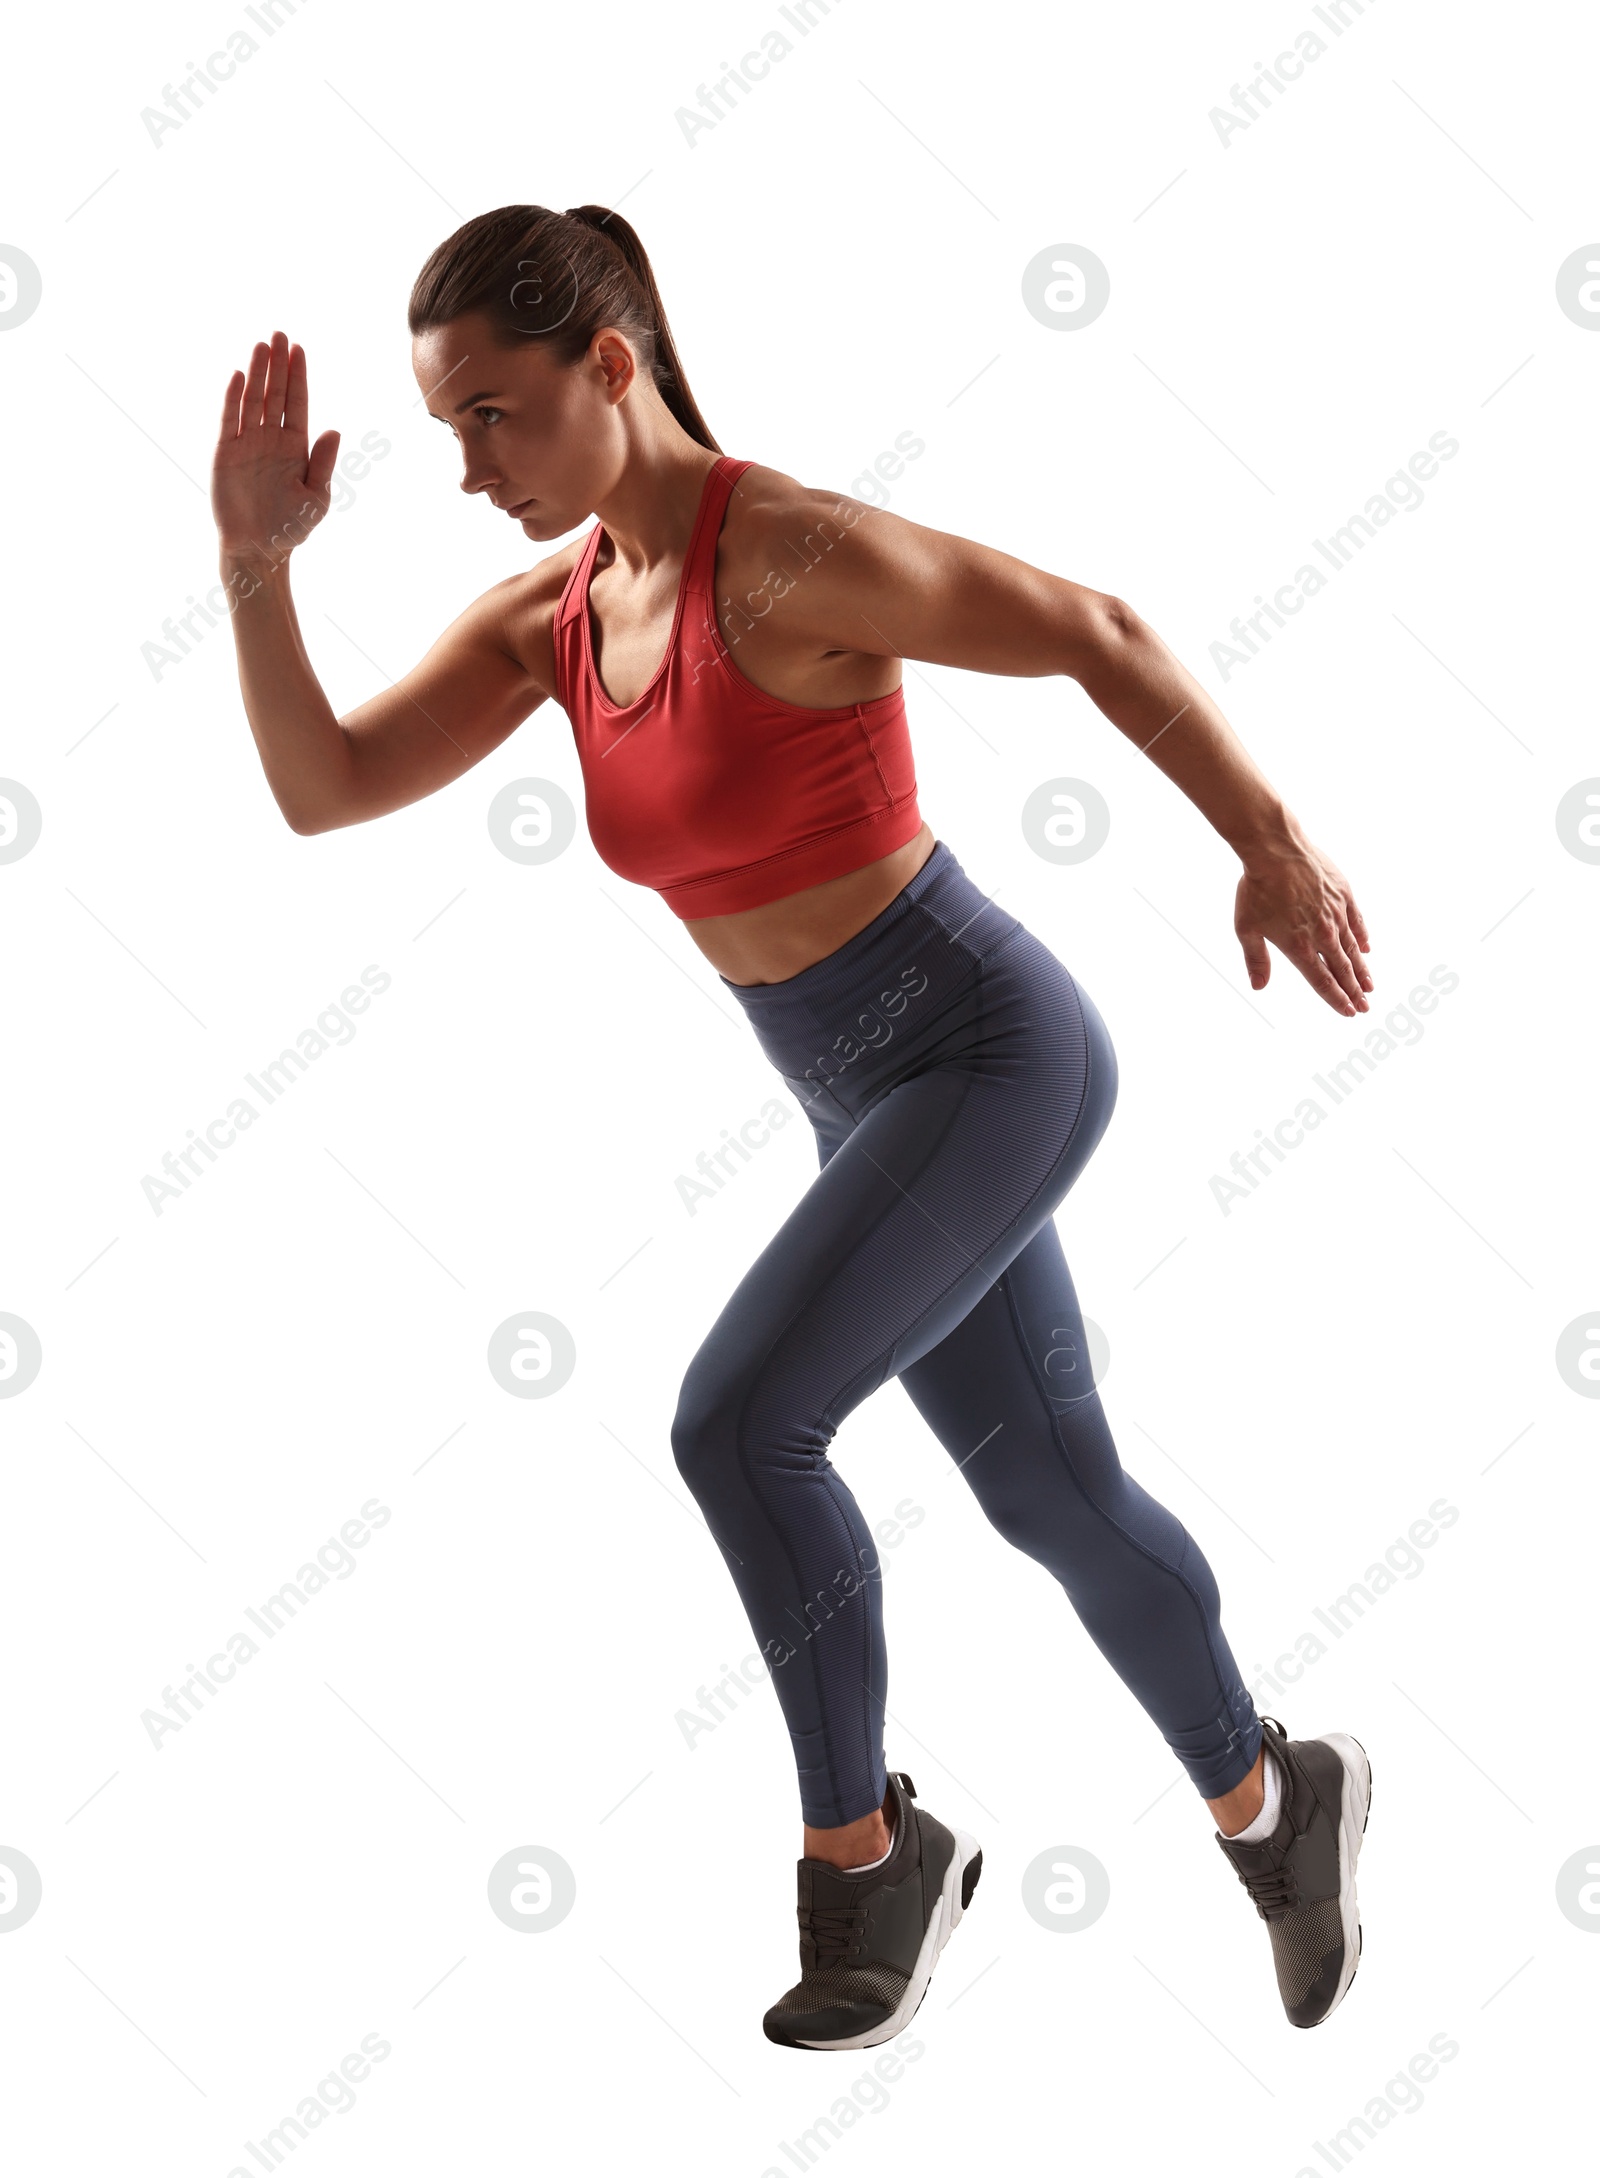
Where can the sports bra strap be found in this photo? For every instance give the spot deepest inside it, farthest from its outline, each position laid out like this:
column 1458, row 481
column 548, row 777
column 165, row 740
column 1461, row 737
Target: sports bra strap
column 699, row 577
column 577, row 583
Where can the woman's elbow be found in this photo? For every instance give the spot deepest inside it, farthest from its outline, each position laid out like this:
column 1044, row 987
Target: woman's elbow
column 1119, row 622
column 308, row 822
column 1103, row 631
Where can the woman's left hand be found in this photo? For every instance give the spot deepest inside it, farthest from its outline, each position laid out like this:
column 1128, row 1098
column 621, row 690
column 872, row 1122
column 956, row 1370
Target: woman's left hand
column 1292, row 894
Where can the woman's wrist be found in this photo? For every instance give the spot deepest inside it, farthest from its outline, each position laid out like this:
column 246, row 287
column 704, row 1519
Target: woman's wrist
column 1268, row 835
column 253, row 560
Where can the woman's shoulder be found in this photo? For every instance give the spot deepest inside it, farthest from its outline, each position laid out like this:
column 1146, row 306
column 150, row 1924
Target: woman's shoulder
column 773, row 496
column 773, row 521
column 522, row 609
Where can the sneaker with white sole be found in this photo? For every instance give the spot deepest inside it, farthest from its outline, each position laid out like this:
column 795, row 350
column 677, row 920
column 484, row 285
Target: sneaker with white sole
column 868, row 1942
column 1302, row 1879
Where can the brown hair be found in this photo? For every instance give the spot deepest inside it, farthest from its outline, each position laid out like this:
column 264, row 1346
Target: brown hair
column 557, row 277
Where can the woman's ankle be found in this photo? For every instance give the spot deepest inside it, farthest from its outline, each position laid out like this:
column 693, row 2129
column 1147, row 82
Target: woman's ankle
column 850, row 1845
column 1238, row 1809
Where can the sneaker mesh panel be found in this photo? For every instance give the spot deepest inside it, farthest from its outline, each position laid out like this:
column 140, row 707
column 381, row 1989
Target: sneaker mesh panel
column 877, row 1982
column 1300, row 1942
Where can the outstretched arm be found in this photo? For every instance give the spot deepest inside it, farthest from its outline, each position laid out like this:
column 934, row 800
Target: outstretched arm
column 895, row 589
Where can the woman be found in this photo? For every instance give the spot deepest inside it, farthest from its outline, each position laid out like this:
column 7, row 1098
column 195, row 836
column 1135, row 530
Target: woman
column 956, row 1075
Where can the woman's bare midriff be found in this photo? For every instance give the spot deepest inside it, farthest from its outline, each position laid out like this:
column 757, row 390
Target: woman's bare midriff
column 772, row 943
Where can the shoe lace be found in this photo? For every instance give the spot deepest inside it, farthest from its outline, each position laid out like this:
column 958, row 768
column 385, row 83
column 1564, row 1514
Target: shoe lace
column 832, row 1932
column 1274, row 1891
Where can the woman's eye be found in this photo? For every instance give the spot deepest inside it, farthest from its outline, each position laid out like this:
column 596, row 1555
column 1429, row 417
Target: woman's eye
column 486, row 413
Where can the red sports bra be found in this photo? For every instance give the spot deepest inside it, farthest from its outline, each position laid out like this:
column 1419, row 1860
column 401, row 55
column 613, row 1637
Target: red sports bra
column 715, row 794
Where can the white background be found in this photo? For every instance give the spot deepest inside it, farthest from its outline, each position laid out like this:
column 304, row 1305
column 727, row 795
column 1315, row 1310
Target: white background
column 223, row 1385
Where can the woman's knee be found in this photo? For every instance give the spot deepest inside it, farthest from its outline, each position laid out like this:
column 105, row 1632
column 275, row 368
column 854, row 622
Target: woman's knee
column 733, row 1417
column 705, row 1425
column 1037, row 1533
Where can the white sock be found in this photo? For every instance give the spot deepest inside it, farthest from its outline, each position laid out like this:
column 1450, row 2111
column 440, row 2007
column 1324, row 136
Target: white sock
column 867, row 1866
column 1266, row 1822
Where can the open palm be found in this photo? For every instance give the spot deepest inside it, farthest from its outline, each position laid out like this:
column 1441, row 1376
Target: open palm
column 267, row 492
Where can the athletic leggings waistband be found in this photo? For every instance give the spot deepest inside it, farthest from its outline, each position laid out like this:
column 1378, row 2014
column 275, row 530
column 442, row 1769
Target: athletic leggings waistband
column 940, row 921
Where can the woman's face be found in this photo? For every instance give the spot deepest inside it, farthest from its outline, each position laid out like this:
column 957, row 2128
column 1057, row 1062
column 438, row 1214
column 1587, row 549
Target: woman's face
column 536, row 436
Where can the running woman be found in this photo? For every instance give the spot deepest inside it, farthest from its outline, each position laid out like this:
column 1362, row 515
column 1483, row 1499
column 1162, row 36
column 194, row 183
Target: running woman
column 727, row 646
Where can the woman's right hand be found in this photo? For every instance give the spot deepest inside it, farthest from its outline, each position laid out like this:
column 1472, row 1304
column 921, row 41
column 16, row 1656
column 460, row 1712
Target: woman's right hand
column 267, row 494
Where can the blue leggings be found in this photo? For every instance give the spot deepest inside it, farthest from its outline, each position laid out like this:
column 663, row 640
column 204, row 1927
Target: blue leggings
column 957, row 1079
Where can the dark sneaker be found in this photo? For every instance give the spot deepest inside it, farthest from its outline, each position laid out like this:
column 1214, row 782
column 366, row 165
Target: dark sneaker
column 868, row 1942
column 1303, row 1878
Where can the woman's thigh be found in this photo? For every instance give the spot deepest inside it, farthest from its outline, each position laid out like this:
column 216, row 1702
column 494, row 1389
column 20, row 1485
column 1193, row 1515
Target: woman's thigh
column 920, row 1203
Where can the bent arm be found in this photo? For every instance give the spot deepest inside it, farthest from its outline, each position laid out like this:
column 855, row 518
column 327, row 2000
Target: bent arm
column 922, row 593
column 455, row 706
column 894, row 588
